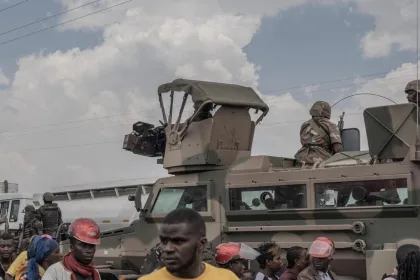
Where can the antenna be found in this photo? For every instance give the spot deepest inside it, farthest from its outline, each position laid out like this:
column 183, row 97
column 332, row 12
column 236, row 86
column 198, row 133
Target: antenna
column 364, row 93
column 417, row 61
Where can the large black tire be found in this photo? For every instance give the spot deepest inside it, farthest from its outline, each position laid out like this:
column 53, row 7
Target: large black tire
column 151, row 262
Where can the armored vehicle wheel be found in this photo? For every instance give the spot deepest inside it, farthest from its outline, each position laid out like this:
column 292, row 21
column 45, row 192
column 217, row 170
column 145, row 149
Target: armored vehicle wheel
column 151, row 261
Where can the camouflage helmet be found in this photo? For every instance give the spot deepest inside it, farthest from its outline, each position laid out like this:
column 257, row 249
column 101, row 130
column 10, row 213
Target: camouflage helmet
column 29, row 208
column 48, row 197
column 320, row 109
column 411, row 86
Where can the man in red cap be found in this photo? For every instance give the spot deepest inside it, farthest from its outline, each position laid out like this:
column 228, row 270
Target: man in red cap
column 233, row 255
column 84, row 235
column 321, row 252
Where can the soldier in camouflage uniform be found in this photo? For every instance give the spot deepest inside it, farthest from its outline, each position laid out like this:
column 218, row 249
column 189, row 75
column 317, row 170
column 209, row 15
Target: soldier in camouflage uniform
column 50, row 215
column 411, row 91
column 320, row 138
column 31, row 226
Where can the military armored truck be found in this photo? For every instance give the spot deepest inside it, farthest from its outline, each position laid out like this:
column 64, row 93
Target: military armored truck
column 366, row 201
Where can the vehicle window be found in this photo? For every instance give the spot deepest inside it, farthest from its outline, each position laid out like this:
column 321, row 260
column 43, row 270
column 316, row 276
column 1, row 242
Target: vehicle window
column 170, row 199
column 4, row 208
column 263, row 198
column 14, row 212
column 361, row 193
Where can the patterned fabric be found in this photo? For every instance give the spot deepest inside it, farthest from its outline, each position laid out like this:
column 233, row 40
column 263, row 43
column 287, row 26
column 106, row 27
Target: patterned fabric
column 317, row 143
column 22, row 273
column 40, row 248
column 86, row 271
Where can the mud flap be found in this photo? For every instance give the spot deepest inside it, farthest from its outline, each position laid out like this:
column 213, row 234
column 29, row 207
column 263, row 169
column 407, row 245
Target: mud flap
column 151, row 262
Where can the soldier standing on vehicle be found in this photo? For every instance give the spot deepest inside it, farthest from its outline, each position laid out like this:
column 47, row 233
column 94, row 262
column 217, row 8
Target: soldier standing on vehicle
column 233, row 255
column 269, row 260
column 297, row 260
column 183, row 239
column 320, row 138
column 411, row 91
column 31, row 226
column 321, row 252
column 84, row 235
column 6, row 253
column 50, row 215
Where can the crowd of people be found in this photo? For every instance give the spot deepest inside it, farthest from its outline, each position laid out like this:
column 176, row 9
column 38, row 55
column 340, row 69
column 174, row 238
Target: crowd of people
column 183, row 240
column 182, row 243
column 43, row 259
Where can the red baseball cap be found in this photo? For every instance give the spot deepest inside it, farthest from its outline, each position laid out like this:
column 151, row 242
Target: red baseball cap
column 230, row 251
column 322, row 247
column 85, row 230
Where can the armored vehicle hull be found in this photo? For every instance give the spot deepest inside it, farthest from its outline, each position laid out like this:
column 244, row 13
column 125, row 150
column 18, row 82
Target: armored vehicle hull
column 366, row 237
column 366, row 201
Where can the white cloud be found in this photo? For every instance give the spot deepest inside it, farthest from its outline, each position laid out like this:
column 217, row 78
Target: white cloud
column 12, row 163
column 310, row 89
column 395, row 26
column 4, row 81
column 189, row 10
column 278, row 135
column 114, row 84
column 390, row 86
column 149, row 44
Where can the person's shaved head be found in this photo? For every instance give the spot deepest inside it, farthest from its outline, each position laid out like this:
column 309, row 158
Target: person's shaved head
column 187, row 216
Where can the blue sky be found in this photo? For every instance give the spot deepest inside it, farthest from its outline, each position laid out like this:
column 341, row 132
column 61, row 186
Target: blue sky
column 312, row 44
column 47, row 41
column 126, row 52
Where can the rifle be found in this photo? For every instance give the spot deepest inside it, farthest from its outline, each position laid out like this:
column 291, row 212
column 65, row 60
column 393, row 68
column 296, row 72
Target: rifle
column 341, row 122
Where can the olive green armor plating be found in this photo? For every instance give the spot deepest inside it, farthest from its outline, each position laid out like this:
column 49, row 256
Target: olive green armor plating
column 366, row 201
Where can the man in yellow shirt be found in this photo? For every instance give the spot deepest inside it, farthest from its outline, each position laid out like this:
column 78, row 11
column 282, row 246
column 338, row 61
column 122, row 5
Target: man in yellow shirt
column 21, row 259
column 183, row 239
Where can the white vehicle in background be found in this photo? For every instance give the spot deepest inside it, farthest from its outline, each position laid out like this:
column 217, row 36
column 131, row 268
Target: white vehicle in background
column 107, row 203
column 13, row 203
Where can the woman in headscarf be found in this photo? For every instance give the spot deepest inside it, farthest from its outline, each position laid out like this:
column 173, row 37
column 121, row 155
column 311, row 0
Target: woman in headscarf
column 42, row 253
column 20, row 260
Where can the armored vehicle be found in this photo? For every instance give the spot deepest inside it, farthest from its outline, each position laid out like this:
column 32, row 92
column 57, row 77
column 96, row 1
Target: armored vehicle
column 366, row 201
